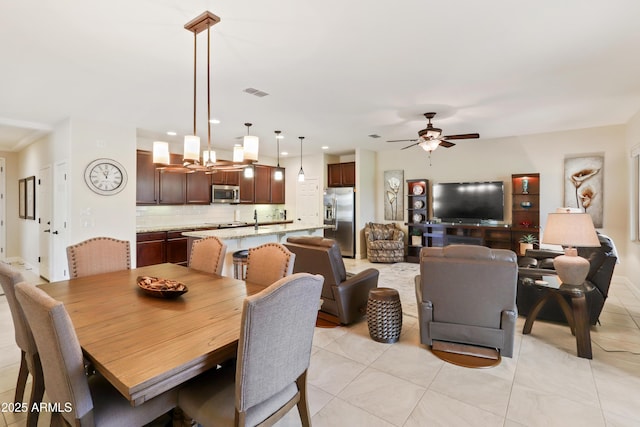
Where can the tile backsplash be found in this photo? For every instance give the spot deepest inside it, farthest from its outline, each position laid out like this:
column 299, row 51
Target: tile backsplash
column 178, row 215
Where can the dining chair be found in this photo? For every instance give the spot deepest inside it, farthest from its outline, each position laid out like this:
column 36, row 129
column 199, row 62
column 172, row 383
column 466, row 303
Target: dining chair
column 208, row 255
column 274, row 350
column 84, row 401
column 29, row 358
column 269, row 263
column 98, row 255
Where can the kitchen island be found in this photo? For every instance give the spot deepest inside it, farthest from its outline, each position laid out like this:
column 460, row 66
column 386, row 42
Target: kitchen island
column 248, row 237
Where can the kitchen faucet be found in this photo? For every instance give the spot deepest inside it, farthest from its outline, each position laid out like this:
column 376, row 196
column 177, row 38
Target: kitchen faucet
column 255, row 217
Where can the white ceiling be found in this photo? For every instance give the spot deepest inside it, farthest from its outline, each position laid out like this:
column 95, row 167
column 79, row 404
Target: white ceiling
column 335, row 70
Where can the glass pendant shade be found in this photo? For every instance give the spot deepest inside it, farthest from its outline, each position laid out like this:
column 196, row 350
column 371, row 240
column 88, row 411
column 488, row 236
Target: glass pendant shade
column 208, row 156
column 191, row 148
column 251, row 146
column 238, row 153
column 161, row 152
column 248, row 172
column 301, row 175
column 278, row 175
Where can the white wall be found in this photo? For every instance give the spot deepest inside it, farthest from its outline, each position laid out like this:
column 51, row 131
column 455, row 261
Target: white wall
column 497, row 159
column 632, row 247
column 367, row 196
column 13, row 223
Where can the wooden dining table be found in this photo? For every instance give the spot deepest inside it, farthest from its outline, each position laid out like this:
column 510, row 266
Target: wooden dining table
column 146, row 345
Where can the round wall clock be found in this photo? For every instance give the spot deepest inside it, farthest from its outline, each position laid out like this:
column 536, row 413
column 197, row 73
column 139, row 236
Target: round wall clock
column 105, row 176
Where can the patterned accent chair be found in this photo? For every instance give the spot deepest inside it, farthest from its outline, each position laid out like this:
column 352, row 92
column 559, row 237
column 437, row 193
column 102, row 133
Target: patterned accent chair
column 385, row 242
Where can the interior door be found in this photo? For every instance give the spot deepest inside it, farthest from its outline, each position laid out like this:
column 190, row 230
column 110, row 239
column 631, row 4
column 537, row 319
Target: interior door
column 44, row 222
column 308, row 201
column 59, row 223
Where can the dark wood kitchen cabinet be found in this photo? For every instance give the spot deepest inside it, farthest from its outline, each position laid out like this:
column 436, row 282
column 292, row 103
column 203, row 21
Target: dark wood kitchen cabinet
column 155, row 186
column 198, row 188
column 277, row 189
column 146, row 179
column 150, row 248
column 262, row 179
column 226, row 178
column 341, row 174
column 176, row 247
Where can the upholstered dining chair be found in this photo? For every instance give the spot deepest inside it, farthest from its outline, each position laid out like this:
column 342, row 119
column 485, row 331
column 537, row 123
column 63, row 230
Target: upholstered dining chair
column 98, row 255
column 269, row 263
column 467, row 294
column 86, row 401
column 208, row 255
column 274, row 350
column 29, row 358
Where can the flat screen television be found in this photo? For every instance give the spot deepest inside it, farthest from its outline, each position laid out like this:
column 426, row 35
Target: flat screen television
column 469, row 202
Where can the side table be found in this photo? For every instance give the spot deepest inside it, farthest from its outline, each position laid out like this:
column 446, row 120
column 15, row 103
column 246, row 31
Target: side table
column 577, row 315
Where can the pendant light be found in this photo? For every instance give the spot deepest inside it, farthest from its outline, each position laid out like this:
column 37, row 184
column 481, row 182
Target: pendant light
column 277, row 174
column 301, row 173
column 161, row 152
column 250, row 147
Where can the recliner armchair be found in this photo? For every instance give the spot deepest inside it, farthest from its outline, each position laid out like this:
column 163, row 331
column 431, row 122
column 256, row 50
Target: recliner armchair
column 344, row 295
column 467, row 294
column 539, row 263
column 385, row 242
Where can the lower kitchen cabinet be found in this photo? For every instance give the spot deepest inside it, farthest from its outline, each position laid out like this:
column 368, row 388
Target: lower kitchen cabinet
column 176, row 247
column 150, row 248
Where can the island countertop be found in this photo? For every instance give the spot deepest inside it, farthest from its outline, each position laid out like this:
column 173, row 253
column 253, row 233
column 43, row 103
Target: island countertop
column 246, row 232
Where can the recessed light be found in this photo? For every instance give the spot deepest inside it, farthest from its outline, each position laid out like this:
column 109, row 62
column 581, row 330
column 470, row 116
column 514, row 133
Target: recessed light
column 214, row 121
column 325, row 147
column 171, row 133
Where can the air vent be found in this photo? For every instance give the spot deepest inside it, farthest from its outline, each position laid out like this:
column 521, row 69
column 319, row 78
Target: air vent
column 373, row 135
column 255, row 92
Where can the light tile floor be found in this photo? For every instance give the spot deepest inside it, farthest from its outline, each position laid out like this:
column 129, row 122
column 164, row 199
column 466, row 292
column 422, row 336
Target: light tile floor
column 355, row 381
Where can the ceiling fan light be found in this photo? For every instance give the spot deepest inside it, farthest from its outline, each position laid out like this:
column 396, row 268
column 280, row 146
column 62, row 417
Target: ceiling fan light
column 430, row 145
column 191, row 148
column 433, row 133
column 161, row 152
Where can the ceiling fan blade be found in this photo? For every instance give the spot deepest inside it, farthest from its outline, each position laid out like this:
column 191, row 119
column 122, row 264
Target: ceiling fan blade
column 409, row 146
column 446, row 144
column 402, row 140
column 463, row 136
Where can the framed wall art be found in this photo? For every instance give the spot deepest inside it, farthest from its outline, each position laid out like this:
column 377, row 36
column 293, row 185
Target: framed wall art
column 22, row 198
column 394, row 195
column 583, row 185
column 30, row 197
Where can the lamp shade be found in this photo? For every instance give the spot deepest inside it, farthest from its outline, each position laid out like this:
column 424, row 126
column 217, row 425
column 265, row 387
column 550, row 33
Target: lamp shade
column 191, row 148
column 250, row 146
column 278, row 175
column 208, row 156
column 570, row 229
column 161, row 152
column 238, row 153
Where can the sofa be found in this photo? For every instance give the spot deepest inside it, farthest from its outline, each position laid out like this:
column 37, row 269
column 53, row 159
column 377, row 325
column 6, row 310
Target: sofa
column 344, row 295
column 385, row 242
column 537, row 263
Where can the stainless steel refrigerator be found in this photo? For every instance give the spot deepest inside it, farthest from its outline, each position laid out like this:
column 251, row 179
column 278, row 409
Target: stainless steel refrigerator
column 340, row 212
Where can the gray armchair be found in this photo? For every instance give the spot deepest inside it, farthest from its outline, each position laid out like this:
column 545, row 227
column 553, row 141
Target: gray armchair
column 344, row 295
column 467, row 294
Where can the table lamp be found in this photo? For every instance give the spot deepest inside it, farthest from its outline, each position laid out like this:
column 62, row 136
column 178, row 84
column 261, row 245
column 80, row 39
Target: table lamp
column 570, row 230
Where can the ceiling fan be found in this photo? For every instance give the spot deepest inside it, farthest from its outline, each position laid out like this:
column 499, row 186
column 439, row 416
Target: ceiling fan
column 431, row 137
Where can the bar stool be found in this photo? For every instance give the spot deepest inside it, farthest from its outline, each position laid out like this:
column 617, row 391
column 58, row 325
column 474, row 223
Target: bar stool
column 384, row 315
column 240, row 264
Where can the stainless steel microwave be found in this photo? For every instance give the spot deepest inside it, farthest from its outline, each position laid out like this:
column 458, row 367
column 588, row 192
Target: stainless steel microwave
column 225, row 194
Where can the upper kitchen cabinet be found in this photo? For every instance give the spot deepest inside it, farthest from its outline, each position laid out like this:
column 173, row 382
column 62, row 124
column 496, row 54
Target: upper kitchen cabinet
column 341, row 174
column 153, row 186
column 226, row 178
column 262, row 188
column 146, row 179
column 198, row 188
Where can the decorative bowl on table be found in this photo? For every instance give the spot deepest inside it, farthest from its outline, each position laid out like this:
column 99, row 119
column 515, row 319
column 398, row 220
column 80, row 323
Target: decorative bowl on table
column 161, row 288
